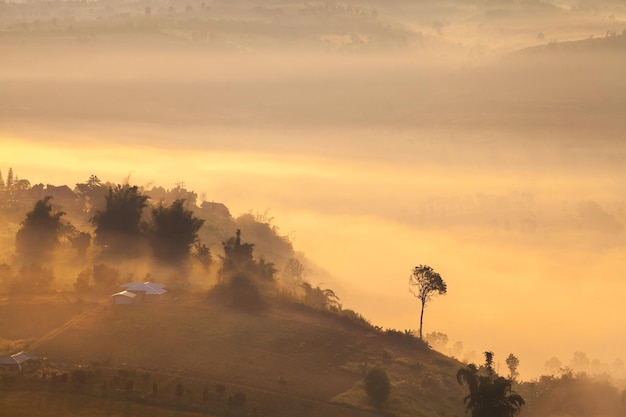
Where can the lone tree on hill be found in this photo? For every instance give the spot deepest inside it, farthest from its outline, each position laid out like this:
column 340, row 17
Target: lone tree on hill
column 118, row 226
column 173, row 231
column 39, row 233
column 424, row 283
column 490, row 395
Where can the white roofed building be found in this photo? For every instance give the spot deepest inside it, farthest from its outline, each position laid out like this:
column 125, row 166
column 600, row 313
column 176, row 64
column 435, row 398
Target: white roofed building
column 145, row 291
column 125, row 298
column 17, row 362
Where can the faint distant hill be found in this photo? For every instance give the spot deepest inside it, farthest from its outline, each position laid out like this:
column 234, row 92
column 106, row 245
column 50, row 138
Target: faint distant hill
column 611, row 43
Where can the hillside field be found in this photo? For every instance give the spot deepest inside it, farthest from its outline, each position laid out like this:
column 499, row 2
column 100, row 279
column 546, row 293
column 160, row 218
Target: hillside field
column 289, row 360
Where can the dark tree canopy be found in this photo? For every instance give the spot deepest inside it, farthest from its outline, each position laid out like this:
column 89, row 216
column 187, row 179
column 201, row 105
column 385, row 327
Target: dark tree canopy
column 203, row 254
column 237, row 256
column 39, row 233
column 119, row 225
column 490, row 395
column 242, row 276
column 424, row 283
column 244, row 293
column 173, row 230
column 377, row 386
column 105, row 277
column 320, row 298
column 33, row 279
column 80, row 241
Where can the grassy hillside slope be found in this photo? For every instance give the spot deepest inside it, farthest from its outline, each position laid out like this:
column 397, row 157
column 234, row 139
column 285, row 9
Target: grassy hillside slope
column 289, row 360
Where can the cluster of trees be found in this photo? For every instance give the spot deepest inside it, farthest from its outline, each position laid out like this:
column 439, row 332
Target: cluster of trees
column 33, row 279
column 490, row 395
column 126, row 225
column 171, row 231
column 580, row 363
column 575, row 395
column 244, row 279
column 439, row 342
column 10, row 189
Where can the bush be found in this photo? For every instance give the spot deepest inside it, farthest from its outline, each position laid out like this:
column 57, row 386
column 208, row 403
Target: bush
column 237, row 399
column 244, row 293
column 405, row 338
column 33, row 279
column 377, row 386
column 105, row 277
column 83, row 281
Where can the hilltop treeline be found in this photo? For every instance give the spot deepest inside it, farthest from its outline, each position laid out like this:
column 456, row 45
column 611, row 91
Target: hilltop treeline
column 97, row 234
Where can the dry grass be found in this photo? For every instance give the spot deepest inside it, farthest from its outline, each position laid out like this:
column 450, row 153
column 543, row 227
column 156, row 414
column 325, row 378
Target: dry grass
column 23, row 320
column 44, row 404
column 289, row 360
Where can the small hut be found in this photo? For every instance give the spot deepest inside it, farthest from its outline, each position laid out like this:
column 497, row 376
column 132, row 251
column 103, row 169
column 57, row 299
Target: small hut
column 17, row 362
column 147, row 291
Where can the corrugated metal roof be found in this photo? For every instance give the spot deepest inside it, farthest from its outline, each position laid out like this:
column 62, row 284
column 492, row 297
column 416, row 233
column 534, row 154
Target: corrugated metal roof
column 125, row 294
column 23, row 357
column 18, row 358
column 151, row 288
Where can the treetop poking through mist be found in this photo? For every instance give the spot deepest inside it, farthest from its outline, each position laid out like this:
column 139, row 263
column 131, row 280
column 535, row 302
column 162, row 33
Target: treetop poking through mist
column 38, row 235
column 118, row 227
column 172, row 231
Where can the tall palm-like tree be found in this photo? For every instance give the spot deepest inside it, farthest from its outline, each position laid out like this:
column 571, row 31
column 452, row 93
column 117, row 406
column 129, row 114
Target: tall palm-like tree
column 118, row 227
column 173, row 230
column 490, row 395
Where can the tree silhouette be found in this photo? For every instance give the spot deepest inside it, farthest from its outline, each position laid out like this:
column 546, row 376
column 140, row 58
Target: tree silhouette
column 244, row 293
column 553, row 365
column 39, row 232
column 377, row 386
column 437, row 340
column 80, row 241
column 490, row 395
column 93, row 193
column 33, row 279
column 580, row 362
column 424, row 283
column 512, row 362
column 237, row 256
column 320, row 298
column 173, row 230
column 203, row 254
column 105, row 277
column 11, row 189
column 118, row 226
